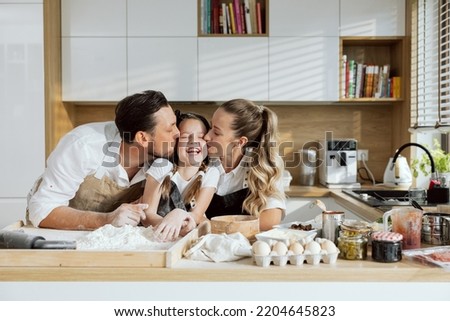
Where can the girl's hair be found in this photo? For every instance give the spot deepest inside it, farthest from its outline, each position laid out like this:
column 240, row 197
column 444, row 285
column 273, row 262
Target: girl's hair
column 194, row 187
column 260, row 125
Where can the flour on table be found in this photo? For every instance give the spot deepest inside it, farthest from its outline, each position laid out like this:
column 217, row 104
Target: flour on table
column 126, row 237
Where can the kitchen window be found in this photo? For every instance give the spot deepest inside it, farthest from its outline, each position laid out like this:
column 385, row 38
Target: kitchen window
column 430, row 67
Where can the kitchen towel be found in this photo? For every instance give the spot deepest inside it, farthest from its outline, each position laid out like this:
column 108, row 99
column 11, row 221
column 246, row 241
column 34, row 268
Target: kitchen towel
column 220, row 248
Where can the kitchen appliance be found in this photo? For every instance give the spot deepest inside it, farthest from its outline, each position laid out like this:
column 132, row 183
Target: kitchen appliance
column 338, row 163
column 308, row 159
column 398, row 173
column 436, row 228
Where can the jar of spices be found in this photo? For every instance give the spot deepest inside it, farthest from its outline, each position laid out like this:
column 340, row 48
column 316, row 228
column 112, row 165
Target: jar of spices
column 386, row 247
column 353, row 239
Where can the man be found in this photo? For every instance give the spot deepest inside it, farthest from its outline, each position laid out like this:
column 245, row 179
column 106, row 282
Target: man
column 98, row 170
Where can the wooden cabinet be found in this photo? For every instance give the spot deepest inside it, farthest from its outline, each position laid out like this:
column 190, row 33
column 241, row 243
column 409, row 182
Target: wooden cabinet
column 307, row 18
column 94, row 69
column 156, row 63
column 22, row 105
column 296, row 59
column 376, row 52
column 372, row 18
column 233, row 68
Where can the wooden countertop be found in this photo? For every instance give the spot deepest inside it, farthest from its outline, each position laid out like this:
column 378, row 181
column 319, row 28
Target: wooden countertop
column 245, row 270
column 242, row 270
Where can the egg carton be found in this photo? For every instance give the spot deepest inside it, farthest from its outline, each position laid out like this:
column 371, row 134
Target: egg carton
column 295, row 259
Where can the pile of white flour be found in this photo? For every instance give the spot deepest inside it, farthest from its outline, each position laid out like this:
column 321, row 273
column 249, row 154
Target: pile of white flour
column 126, row 237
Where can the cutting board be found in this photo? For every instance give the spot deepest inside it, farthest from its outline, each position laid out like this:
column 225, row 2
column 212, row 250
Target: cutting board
column 90, row 258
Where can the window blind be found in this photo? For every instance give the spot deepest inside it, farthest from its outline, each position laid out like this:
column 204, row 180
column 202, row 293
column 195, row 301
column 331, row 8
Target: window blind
column 430, row 65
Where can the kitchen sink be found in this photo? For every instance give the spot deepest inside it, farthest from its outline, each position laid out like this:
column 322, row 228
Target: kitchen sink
column 381, row 198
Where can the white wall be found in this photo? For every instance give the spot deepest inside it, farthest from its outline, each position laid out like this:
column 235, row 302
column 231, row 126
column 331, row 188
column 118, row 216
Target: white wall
column 22, row 123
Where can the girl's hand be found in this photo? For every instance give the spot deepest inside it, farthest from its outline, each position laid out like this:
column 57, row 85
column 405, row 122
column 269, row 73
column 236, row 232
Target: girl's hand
column 188, row 225
column 171, row 225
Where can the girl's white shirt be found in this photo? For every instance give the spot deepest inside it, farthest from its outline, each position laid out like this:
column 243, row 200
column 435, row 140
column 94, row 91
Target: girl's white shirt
column 161, row 167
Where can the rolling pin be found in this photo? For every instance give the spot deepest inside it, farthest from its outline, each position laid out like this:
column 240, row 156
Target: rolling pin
column 20, row 240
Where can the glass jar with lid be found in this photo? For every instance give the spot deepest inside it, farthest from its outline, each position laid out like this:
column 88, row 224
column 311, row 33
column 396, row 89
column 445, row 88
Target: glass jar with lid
column 353, row 239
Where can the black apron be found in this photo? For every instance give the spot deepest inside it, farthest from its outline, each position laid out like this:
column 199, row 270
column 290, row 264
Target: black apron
column 230, row 204
column 174, row 201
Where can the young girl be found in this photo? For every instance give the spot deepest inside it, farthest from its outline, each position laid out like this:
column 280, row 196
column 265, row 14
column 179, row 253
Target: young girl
column 179, row 193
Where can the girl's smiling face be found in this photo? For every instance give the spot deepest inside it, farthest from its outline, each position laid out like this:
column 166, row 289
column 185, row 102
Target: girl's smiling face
column 191, row 147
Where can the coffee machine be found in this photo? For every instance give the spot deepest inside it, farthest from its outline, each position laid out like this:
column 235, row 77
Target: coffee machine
column 338, row 163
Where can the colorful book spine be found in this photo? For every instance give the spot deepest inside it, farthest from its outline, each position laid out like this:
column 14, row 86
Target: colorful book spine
column 252, row 4
column 225, row 18
column 237, row 16
column 259, row 17
column 232, row 20
column 248, row 22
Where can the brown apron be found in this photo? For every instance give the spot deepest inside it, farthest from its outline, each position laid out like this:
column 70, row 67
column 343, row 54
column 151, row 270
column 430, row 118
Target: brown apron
column 104, row 195
column 101, row 195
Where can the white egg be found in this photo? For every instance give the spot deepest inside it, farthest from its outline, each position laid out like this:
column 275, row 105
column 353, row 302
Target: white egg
column 313, row 247
column 329, row 246
column 280, row 248
column 261, row 248
column 296, row 248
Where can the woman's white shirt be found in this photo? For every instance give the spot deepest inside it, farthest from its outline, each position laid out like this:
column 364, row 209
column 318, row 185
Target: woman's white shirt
column 236, row 180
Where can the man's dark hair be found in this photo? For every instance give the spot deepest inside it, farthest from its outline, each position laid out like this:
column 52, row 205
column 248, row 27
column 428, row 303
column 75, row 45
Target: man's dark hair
column 137, row 113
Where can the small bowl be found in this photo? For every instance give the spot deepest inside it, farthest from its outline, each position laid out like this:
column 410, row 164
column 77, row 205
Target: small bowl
column 245, row 224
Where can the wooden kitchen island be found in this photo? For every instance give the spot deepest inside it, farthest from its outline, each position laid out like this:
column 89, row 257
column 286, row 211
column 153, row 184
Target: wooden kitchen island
column 238, row 271
column 245, row 270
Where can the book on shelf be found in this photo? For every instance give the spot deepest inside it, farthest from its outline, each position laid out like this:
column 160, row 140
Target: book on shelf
column 252, row 4
column 259, row 17
column 343, row 75
column 232, row 19
column 248, row 22
column 215, row 16
column 237, row 16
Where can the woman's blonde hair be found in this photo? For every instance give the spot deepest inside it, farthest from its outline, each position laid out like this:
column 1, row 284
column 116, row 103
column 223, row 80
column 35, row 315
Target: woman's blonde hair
column 260, row 125
column 193, row 189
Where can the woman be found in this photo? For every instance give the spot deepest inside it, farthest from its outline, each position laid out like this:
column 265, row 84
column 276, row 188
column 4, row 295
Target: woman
column 178, row 194
column 243, row 141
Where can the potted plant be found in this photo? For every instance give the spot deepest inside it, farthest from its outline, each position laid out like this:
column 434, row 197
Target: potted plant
column 441, row 163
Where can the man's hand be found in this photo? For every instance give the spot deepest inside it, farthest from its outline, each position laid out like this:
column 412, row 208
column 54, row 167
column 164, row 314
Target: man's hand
column 128, row 214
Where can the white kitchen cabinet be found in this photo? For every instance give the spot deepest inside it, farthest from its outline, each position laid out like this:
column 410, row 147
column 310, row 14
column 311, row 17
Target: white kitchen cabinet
column 93, row 18
column 309, row 18
column 303, row 68
column 94, row 69
column 233, row 68
column 22, row 104
column 162, row 18
column 300, row 209
column 372, row 18
column 156, row 63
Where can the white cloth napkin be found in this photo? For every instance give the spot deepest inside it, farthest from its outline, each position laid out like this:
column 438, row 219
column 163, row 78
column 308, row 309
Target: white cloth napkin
column 220, row 248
